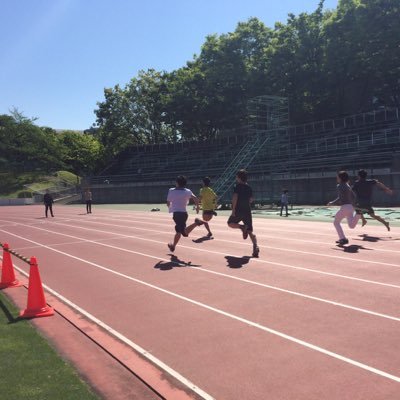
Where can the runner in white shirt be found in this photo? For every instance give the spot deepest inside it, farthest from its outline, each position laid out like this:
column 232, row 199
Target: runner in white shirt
column 177, row 200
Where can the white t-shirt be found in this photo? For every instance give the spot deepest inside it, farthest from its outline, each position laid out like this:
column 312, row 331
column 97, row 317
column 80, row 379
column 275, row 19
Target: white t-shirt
column 179, row 198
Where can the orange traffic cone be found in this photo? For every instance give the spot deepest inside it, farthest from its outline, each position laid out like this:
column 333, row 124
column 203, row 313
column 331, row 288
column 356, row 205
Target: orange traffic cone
column 37, row 306
column 7, row 274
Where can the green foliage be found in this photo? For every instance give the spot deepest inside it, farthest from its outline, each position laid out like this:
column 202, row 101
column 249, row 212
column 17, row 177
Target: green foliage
column 25, row 146
column 328, row 63
column 24, row 194
column 17, row 185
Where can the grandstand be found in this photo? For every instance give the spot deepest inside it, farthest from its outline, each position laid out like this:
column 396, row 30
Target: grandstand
column 303, row 158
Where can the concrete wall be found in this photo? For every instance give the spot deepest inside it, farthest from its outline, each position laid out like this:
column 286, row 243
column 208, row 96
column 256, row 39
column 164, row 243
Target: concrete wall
column 310, row 189
column 15, row 202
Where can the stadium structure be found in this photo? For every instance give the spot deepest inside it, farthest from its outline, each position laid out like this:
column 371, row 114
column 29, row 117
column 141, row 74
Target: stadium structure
column 303, row 159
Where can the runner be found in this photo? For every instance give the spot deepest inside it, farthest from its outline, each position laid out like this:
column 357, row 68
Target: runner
column 208, row 200
column 177, row 200
column 241, row 210
column 345, row 200
column 363, row 188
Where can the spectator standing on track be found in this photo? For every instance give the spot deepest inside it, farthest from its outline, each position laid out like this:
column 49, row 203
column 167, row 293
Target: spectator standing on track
column 345, row 200
column 177, row 201
column 208, row 200
column 363, row 188
column 48, row 203
column 88, row 200
column 241, row 209
column 284, row 202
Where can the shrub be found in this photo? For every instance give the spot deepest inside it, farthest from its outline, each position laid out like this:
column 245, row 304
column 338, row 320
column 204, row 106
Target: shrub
column 24, row 194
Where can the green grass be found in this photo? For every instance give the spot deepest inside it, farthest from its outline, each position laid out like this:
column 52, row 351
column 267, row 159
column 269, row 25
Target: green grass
column 30, row 368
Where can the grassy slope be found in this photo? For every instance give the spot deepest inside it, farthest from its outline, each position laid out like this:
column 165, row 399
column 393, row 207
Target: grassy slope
column 30, row 368
column 12, row 185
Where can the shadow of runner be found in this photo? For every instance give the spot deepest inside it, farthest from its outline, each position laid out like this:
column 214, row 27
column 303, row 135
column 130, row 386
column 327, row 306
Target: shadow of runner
column 352, row 248
column 202, row 239
column 366, row 238
column 175, row 262
column 237, row 262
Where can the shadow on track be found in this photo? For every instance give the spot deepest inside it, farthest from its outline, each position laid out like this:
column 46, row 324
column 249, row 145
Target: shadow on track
column 237, row 262
column 202, row 239
column 175, row 262
column 366, row 238
column 352, row 248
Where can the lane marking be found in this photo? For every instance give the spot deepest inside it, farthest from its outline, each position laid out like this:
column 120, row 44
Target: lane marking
column 213, row 252
column 331, row 302
column 357, row 260
column 146, row 217
column 237, row 318
column 127, row 341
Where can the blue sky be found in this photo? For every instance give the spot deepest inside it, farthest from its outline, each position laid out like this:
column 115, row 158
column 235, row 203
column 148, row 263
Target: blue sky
column 57, row 56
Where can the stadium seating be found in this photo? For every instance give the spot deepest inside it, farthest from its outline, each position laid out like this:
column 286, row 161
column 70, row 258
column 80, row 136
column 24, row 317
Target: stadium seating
column 367, row 140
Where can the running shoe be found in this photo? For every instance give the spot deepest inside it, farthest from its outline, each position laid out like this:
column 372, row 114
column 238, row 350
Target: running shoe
column 244, row 232
column 342, row 241
column 171, row 247
column 256, row 251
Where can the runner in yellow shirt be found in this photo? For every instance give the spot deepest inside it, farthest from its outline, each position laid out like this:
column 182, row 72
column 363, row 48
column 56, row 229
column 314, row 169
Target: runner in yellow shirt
column 208, row 200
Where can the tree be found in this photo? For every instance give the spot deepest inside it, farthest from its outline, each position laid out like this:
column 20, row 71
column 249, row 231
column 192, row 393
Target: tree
column 81, row 152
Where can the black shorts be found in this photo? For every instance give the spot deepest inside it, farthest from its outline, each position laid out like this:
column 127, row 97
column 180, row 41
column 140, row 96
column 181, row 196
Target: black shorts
column 245, row 217
column 180, row 219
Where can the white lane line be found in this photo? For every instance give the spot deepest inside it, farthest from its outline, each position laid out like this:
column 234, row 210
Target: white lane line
column 212, row 252
column 323, row 255
column 127, row 341
column 299, row 294
column 259, row 235
column 236, row 318
column 363, row 261
column 219, row 253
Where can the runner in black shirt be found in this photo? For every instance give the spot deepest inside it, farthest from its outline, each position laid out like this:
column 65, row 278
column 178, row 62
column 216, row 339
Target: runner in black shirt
column 241, row 210
column 363, row 188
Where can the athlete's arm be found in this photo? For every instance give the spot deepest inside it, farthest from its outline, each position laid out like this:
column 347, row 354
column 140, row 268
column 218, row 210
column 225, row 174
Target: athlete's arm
column 384, row 187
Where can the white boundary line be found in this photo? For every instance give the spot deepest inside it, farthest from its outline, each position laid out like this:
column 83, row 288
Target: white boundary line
column 96, row 219
column 212, row 252
column 234, row 317
column 100, row 242
column 127, row 341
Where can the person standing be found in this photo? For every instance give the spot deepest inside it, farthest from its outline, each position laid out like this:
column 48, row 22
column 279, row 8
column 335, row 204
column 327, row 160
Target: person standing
column 284, row 202
column 88, row 200
column 345, row 200
column 208, row 200
column 241, row 209
column 48, row 203
column 363, row 188
column 177, row 201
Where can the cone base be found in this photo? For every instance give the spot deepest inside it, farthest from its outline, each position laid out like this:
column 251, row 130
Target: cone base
column 41, row 312
column 12, row 284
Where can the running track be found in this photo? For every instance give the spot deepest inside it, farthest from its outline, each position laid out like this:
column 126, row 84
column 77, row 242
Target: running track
column 307, row 320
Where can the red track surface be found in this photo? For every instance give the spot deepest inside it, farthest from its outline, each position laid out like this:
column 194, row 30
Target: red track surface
column 307, row 320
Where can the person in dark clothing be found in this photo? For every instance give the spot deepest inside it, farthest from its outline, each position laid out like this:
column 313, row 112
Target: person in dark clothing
column 241, row 210
column 48, row 203
column 284, row 202
column 363, row 188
